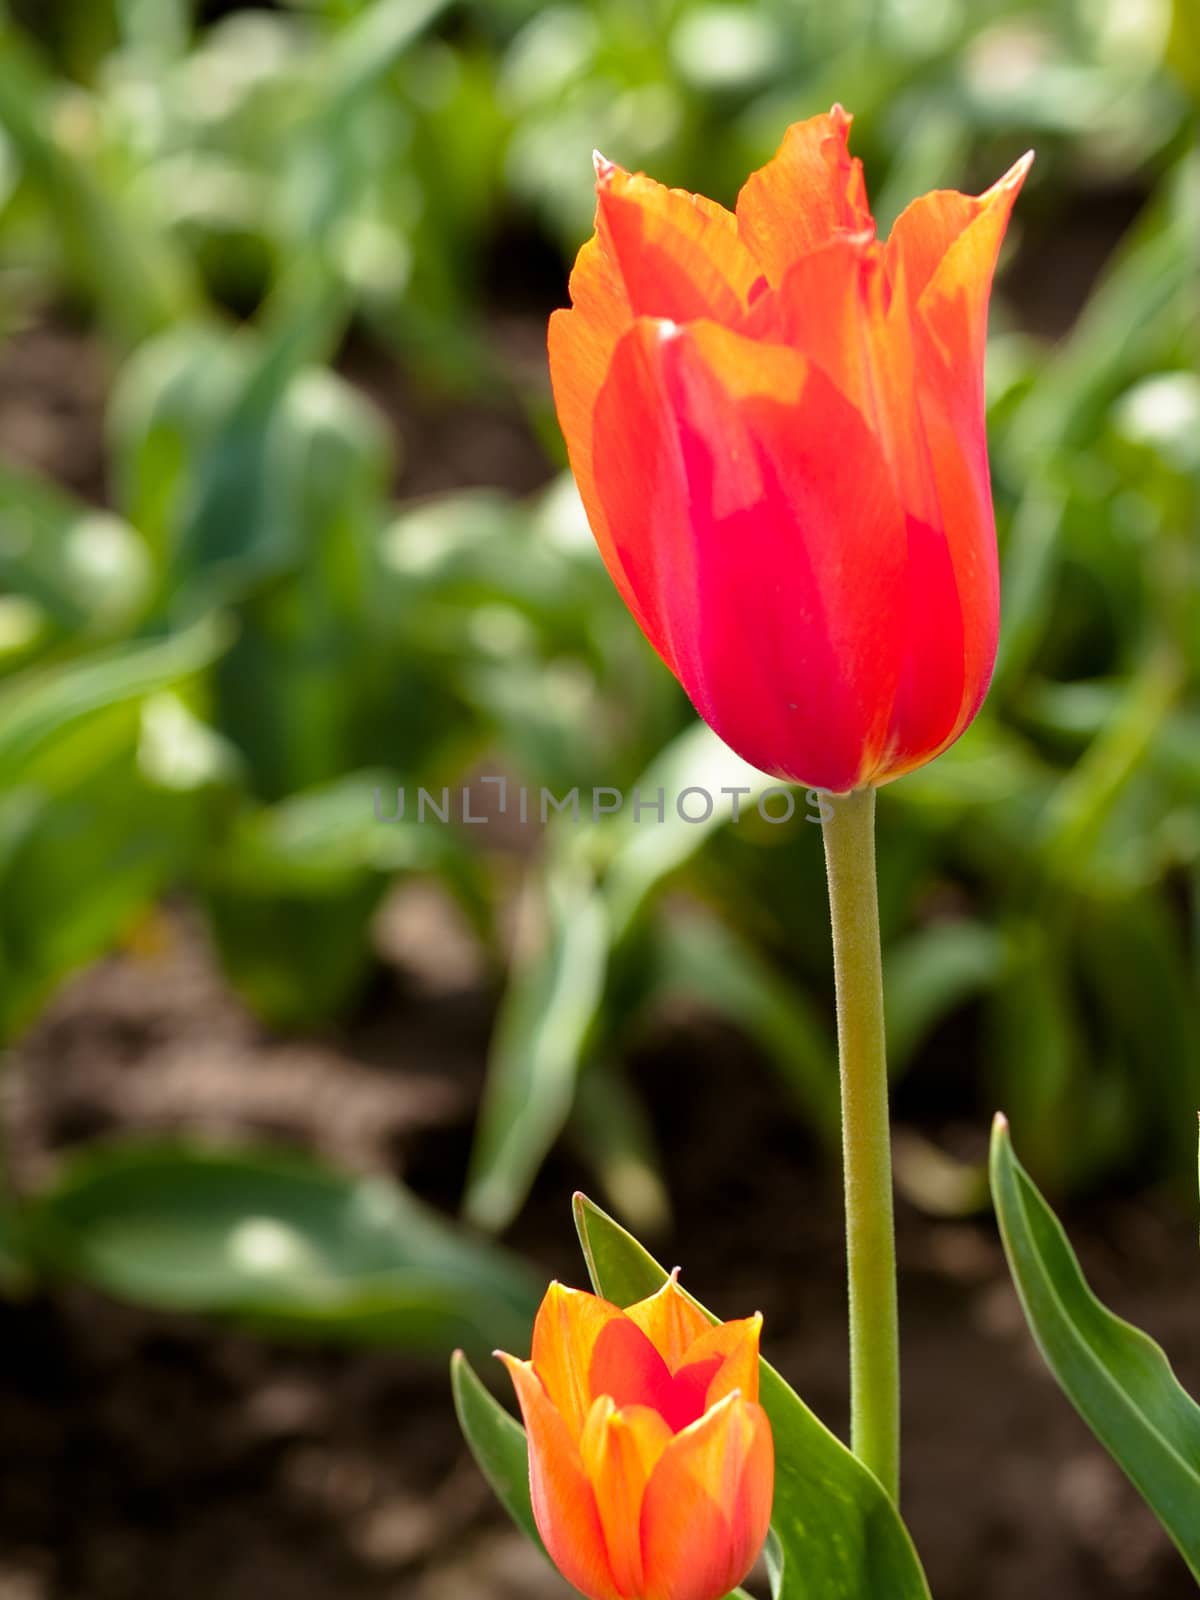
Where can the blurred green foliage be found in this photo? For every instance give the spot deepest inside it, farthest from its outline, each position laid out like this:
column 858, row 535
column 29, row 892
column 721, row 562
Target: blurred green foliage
column 212, row 670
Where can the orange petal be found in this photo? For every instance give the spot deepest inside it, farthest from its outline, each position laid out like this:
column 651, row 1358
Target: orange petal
column 707, row 1505
column 564, row 1504
column 678, row 254
column 832, row 308
column 565, row 1332
column 683, row 257
column 951, row 309
column 825, row 308
column 941, row 256
column 580, row 343
column 670, row 1321
column 734, row 1346
column 811, row 189
column 620, row 1447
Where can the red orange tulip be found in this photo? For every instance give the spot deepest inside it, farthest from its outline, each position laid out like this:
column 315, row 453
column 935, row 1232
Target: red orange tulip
column 776, row 424
column 650, row 1460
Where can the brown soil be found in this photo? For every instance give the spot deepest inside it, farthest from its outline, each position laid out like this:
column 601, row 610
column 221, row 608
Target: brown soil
column 53, row 386
column 154, row 1455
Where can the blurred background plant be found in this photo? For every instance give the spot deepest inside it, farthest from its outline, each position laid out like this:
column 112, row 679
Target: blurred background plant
column 327, row 552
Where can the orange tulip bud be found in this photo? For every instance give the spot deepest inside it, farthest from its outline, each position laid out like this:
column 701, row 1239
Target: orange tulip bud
column 651, row 1463
column 776, row 424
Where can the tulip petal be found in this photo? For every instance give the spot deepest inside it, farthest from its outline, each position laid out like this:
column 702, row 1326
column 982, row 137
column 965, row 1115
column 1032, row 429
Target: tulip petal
column 620, row 1447
column 683, row 258
column 811, row 189
column 734, row 1347
column 707, row 1505
column 670, row 1321
column 826, row 307
column 832, row 307
column 626, row 1366
column 566, row 1330
column 678, row 254
column 734, row 474
column 580, row 343
column 942, row 254
column 564, row 1504
column 931, row 686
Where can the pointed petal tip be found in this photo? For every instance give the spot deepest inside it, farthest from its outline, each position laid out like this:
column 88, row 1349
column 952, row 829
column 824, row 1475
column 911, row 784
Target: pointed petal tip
column 603, row 166
column 1015, row 176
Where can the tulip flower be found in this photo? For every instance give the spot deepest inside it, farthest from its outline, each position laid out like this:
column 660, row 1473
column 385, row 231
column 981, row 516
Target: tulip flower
column 651, row 1463
column 776, row 423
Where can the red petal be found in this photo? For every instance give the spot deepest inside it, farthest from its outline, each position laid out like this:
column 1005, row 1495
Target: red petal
column 941, row 255
column 626, row 1366
column 759, row 528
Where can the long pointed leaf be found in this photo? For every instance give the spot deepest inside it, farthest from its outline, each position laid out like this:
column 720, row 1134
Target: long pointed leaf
column 1115, row 1376
column 539, row 1046
column 498, row 1443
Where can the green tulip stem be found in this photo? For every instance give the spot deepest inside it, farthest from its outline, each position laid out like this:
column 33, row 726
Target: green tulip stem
column 849, row 830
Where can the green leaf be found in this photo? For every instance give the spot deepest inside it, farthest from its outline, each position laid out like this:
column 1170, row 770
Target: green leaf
column 279, row 1242
column 39, row 707
column 498, row 1443
column 323, row 840
column 645, row 851
column 1085, row 797
column 15, row 1275
column 113, row 249
column 1035, row 1044
column 376, row 39
column 87, row 569
column 79, row 869
column 1116, row 1377
column 539, row 1047
column 839, row 1537
column 293, row 887
column 929, row 974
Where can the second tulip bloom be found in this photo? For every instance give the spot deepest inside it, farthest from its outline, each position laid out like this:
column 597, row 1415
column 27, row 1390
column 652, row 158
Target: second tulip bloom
column 651, row 1461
